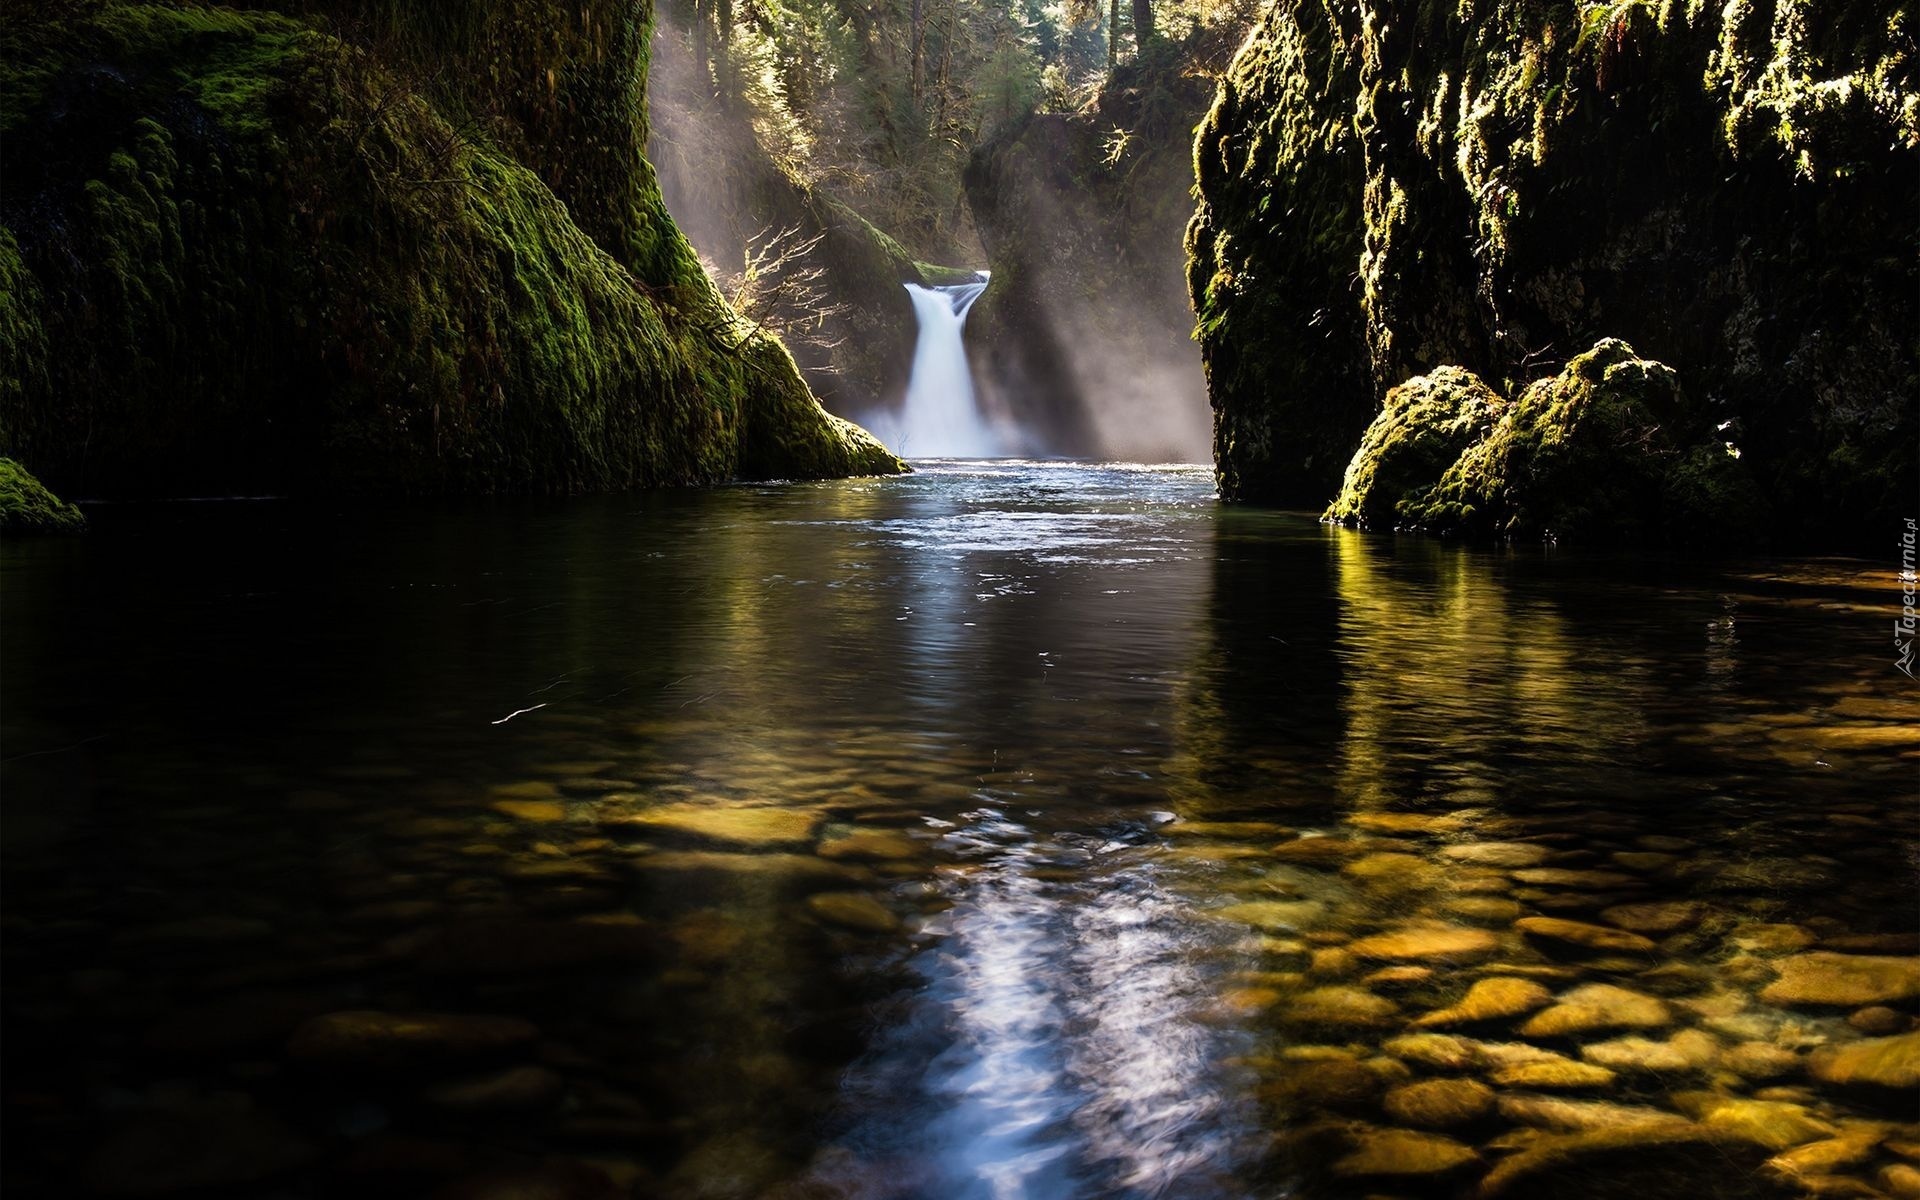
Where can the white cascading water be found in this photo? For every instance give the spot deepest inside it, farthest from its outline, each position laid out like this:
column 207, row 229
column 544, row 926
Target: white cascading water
column 941, row 418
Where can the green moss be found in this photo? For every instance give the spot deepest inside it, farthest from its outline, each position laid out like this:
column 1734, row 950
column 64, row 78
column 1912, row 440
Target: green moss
column 1610, row 449
column 1428, row 422
column 1728, row 187
column 26, row 506
column 276, row 260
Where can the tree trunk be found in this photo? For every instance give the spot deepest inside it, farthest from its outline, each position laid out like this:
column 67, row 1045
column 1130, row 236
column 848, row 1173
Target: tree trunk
column 1143, row 30
column 1113, row 33
column 918, row 32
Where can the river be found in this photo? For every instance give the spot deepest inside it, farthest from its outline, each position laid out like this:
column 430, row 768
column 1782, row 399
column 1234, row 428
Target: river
column 1006, row 830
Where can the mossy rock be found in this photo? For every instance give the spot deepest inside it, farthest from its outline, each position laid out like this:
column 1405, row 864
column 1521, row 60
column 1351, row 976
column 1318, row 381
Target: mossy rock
column 276, row 260
column 1602, row 451
column 26, row 506
column 1427, row 423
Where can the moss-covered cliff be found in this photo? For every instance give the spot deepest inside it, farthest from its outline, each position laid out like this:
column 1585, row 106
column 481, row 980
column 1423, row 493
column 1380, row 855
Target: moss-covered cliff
column 364, row 245
column 840, row 305
column 1388, row 188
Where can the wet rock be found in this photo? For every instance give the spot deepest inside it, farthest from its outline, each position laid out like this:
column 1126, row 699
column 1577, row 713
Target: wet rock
column 532, row 789
column 1671, row 1162
column 1561, row 877
column 1822, row 977
column 1497, row 854
column 1900, row 1180
column 1437, row 1051
column 1399, row 977
column 1878, row 1021
column 1815, row 1158
column 1771, row 1124
column 872, row 845
column 1760, row 1061
column 1330, row 1085
column 535, row 811
column 1892, row 1062
column 1425, row 943
column 853, row 910
column 1238, row 1002
column 1404, row 822
column 1763, row 938
column 1332, row 962
column 1595, row 1007
column 1688, row 1050
column 1659, row 917
column 516, row 1089
column 1322, row 850
column 1559, row 1075
column 1580, row 935
column 730, row 824
column 203, row 1145
column 1873, row 943
column 1557, row 1113
column 1492, row 910
column 1439, row 1103
column 1395, row 872
column 1402, row 1154
column 1274, row 916
column 1490, row 1000
column 1342, row 1007
column 369, row 1042
column 792, row 872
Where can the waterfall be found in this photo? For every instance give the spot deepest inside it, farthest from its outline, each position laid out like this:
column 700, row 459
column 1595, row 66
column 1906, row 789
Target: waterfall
column 941, row 418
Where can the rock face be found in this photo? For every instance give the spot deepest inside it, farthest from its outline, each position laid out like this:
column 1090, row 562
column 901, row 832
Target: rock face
column 1548, row 464
column 1085, row 328
column 247, row 251
column 851, row 327
column 1390, row 189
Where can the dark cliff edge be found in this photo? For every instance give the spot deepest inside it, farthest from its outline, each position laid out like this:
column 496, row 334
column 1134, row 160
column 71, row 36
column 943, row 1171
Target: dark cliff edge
column 1390, row 189
column 364, row 246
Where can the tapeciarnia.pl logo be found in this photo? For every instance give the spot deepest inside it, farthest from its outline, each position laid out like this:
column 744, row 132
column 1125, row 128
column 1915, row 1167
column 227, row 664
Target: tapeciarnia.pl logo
column 1903, row 628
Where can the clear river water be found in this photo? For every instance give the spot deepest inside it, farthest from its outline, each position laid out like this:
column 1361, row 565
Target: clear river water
column 1007, row 830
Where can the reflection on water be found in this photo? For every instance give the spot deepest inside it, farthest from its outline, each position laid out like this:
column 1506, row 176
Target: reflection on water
column 1008, row 830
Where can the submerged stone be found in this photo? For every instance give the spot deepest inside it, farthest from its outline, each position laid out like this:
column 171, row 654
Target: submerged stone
column 1892, row 1062
column 1657, row 917
column 1489, row 1000
column 1824, row 978
column 887, row 845
column 1559, row 1075
column 853, row 910
column 1273, row 916
column 1497, row 854
column 1583, row 936
column 739, row 825
column 1598, row 1006
column 1348, row 1007
column 1449, row 943
column 1688, row 1050
column 1439, row 1103
column 1672, row 1161
column 1402, row 1153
